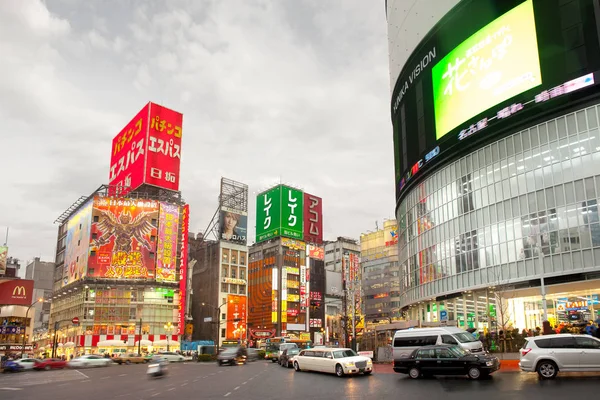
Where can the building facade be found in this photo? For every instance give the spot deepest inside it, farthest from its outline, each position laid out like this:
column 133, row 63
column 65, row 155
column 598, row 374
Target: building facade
column 42, row 273
column 496, row 203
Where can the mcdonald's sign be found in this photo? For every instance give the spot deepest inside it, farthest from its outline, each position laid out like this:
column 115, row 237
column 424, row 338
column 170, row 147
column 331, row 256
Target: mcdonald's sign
column 16, row 292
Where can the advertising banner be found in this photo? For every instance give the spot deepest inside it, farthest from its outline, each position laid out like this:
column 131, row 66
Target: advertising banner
column 236, row 317
column 164, row 147
column 293, row 244
column 233, row 226
column 292, row 211
column 147, row 150
column 3, row 258
column 78, row 244
column 315, row 252
column 183, row 265
column 166, row 261
column 313, row 219
column 274, row 294
column 268, row 214
column 123, row 236
column 18, row 292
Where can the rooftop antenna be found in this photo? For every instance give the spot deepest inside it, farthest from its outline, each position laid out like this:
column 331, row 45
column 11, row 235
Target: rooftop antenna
column 376, row 225
column 6, row 240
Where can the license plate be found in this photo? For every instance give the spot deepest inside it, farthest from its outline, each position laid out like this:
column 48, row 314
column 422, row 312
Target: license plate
column 361, row 370
column 152, row 369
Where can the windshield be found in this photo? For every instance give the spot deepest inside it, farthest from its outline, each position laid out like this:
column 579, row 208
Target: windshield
column 459, row 351
column 230, row 350
column 465, row 337
column 344, row 353
column 293, row 351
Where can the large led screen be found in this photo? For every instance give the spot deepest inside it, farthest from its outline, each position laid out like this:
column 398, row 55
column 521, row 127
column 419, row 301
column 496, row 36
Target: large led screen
column 498, row 62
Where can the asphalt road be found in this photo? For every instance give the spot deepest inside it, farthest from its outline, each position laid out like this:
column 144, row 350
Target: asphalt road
column 264, row 380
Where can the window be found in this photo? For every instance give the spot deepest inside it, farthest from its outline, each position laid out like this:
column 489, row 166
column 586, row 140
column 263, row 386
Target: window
column 415, row 341
column 447, row 339
column 556, row 343
column 223, row 332
column 426, row 353
column 224, row 288
column 587, row 343
column 444, row 353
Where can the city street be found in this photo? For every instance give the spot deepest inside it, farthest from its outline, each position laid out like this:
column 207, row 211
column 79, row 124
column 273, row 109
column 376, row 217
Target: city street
column 261, row 380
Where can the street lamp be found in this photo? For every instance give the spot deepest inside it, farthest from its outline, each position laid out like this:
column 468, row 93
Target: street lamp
column 218, row 309
column 40, row 300
column 169, row 329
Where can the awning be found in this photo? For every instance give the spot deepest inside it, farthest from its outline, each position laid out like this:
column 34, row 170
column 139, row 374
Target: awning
column 111, row 343
column 69, row 344
column 144, row 342
column 166, row 342
column 60, row 345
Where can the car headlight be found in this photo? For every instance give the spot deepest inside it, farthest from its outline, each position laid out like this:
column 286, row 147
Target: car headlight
column 350, row 364
column 489, row 363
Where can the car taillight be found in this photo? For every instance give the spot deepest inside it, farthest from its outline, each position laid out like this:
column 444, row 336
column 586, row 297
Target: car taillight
column 524, row 352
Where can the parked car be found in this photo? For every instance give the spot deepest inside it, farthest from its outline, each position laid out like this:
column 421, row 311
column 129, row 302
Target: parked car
column 287, row 357
column 89, row 360
column 408, row 340
column 335, row 361
column 129, row 358
column 27, row 363
column 50, row 363
column 446, row 360
column 171, row 356
column 547, row 355
column 12, row 366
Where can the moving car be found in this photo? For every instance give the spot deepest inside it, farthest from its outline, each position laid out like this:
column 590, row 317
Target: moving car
column 12, row 366
column 287, row 357
column 408, row 340
column 231, row 356
column 446, row 360
column 49, row 363
column 334, row 361
column 27, row 363
column 171, row 356
column 89, row 360
column 565, row 352
column 129, row 358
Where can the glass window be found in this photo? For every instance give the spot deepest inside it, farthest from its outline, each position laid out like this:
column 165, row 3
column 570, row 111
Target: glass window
column 444, row 353
column 426, row 353
column 447, row 339
column 587, row 343
column 225, row 258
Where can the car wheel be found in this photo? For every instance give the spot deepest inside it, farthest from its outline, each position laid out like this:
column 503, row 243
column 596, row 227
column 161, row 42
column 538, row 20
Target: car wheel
column 274, row 360
column 474, row 373
column 296, row 366
column 339, row 370
column 414, row 373
column 547, row 370
column 47, row 368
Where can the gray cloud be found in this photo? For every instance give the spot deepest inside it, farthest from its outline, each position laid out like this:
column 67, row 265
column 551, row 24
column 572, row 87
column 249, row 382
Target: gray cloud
column 290, row 91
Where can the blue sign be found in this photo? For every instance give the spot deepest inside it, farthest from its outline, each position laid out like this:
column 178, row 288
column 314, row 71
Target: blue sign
column 443, row 315
column 10, row 330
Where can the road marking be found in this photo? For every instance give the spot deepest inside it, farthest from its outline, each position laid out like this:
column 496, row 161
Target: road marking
column 105, row 377
column 183, row 384
column 82, row 374
column 243, row 383
column 10, row 388
column 155, row 394
column 226, row 394
column 63, row 384
column 85, row 381
column 168, row 390
column 236, row 388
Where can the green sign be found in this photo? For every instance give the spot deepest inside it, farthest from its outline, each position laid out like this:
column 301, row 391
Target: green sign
column 268, row 214
column 280, row 212
column 498, row 62
column 292, row 215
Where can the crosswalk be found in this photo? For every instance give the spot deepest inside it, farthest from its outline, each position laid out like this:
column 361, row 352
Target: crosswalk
column 12, row 381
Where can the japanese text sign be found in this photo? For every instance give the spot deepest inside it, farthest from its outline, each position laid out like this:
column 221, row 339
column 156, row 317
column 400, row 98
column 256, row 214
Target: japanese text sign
column 166, row 260
column 292, row 212
column 268, row 214
column 185, row 226
column 313, row 219
column 236, row 317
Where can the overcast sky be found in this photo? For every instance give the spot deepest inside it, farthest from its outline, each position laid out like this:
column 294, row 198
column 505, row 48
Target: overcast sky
column 285, row 91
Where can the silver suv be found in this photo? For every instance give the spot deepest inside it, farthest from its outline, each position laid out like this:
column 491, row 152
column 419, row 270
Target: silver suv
column 549, row 354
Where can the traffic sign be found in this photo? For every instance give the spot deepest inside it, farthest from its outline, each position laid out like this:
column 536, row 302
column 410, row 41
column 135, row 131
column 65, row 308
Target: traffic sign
column 75, row 320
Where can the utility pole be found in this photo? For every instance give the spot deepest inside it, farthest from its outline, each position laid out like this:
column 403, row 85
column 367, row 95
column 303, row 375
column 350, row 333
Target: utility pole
column 140, row 339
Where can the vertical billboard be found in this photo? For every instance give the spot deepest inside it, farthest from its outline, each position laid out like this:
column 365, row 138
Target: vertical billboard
column 147, row 150
column 3, row 258
column 268, row 214
column 236, row 317
column 183, row 265
column 77, row 244
column 313, row 219
column 233, row 226
column 292, row 211
column 123, row 238
column 166, row 260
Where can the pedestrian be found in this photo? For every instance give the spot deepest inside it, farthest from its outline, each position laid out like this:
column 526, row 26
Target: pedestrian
column 547, row 328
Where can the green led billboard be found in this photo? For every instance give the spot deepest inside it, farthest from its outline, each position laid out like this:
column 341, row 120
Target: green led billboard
column 498, row 62
column 280, row 212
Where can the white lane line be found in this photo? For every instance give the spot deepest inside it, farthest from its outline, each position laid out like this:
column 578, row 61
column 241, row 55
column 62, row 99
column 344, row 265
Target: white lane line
column 243, row 383
column 82, row 374
column 155, row 394
column 236, row 388
column 168, row 390
column 183, row 384
column 226, row 394
column 10, row 388
column 105, row 377
column 63, row 384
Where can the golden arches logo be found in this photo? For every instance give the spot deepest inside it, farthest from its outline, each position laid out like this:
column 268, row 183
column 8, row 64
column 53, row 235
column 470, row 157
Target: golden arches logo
column 19, row 291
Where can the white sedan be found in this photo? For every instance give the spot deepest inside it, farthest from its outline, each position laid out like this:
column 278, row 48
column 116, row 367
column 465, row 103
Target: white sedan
column 27, row 363
column 171, row 356
column 335, row 361
column 89, row 360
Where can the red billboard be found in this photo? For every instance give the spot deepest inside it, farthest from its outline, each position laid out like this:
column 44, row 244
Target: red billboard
column 147, row 150
column 236, row 317
column 313, row 219
column 16, row 292
column 185, row 224
column 123, row 238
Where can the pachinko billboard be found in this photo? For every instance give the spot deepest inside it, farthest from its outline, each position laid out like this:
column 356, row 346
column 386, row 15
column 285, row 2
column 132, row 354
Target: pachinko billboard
column 166, row 261
column 123, row 238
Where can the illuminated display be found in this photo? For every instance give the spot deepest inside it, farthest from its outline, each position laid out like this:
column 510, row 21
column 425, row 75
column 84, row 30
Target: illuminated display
column 498, row 62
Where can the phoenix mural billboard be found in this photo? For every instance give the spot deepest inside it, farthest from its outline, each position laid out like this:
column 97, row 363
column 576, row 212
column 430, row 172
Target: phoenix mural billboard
column 166, row 260
column 77, row 244
column 123, row 238
column 147, row 151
